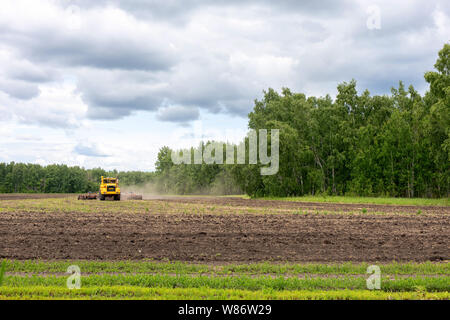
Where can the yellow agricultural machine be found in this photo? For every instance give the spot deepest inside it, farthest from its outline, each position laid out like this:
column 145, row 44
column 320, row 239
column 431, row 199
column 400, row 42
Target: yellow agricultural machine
column 109, row 190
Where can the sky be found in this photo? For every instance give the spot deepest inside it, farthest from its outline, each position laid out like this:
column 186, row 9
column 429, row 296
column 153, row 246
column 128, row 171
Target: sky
column 108, row 83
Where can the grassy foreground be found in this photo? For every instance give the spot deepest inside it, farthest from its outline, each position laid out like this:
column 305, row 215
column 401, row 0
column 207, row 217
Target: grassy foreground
column 126, row 293
column 37, row 266
column 153, row 280
column 72, row 205
column 368, row 200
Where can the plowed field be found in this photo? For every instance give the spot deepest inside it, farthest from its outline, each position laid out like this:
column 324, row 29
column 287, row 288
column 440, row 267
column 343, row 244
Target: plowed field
column 216, row 236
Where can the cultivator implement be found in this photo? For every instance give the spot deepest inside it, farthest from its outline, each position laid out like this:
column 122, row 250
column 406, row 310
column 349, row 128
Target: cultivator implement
column 88, row 196
column 109, row 190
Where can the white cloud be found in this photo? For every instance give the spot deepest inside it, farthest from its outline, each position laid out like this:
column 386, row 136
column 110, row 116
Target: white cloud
column 66, row 68
column 179, row 114
column 57, row 106
column 89, row 149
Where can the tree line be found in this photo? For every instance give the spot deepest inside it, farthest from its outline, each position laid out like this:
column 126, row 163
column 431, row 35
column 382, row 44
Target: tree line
column 34, row 178
column 359, row 144
column 393, row 145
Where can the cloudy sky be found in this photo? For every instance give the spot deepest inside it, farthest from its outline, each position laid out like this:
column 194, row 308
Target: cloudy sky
column 107, row 83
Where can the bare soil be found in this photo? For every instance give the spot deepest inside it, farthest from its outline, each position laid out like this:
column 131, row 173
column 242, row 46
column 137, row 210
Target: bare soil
column 21, row 196
column 319, row 206
column 231, row 237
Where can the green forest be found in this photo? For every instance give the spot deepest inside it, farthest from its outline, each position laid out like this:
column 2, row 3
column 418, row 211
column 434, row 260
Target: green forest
column 56, row 178
column 356, row 144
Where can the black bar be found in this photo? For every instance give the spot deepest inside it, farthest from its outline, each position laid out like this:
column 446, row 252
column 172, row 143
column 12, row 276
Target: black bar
column 226, row 309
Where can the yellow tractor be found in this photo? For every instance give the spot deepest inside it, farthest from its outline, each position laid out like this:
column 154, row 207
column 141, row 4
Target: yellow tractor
column 109, row 189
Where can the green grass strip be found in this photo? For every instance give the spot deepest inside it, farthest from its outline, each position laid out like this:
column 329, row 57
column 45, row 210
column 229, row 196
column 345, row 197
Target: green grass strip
column 126, row 292
column 367, row 200
column 430, row 284
column 2, row 271
column 36, row 266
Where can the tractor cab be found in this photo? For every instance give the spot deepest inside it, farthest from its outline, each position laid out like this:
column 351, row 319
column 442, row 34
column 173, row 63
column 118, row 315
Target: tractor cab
column 109, row 189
